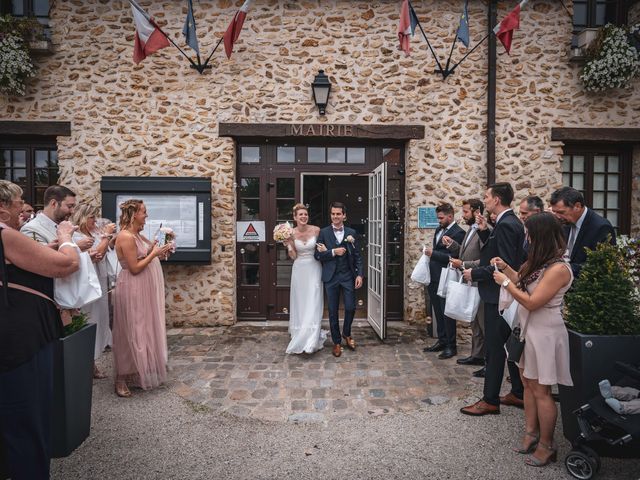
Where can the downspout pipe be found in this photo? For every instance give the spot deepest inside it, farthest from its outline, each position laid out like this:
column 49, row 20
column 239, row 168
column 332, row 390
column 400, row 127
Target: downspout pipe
column 491, row 93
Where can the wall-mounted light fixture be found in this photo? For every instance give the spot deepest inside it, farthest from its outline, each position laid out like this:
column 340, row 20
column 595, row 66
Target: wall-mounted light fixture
column 321, row 88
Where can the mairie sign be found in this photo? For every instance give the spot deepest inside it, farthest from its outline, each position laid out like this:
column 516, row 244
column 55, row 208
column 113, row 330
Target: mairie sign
column 252, row 231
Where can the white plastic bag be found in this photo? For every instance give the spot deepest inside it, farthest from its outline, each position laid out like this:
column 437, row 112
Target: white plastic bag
column 463, row 301
column 448, row 274
column 508, row 308
column 421, row 273
column 113, row 266
column 79, row 288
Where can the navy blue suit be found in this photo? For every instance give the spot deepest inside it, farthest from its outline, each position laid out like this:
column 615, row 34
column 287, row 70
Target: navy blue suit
column 505, row 241
column 440, row 256
column 339, row 274
column 594, row 230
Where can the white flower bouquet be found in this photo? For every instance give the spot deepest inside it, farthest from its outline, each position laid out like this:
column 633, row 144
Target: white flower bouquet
column 167, row 235
column 282, row 232
column 614, row 60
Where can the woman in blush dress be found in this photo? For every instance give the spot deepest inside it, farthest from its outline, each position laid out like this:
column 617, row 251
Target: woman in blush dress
column 539, row 289
column 306, row 301
column 84, row 217
column 139, row 332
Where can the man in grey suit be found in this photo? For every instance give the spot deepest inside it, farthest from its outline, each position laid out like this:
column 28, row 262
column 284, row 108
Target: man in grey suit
column 467, row 255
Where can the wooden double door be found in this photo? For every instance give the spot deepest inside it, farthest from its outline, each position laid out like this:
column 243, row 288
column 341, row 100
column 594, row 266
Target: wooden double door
column 273, row 178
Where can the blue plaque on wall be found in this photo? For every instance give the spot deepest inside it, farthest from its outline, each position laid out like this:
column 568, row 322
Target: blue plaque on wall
column 427, row 217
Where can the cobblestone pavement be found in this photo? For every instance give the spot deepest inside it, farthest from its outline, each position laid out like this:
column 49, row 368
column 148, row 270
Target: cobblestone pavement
column 243, row 370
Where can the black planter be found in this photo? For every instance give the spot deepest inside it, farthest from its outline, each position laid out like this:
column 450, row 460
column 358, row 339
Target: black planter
column 72, row 389
column 592, row 359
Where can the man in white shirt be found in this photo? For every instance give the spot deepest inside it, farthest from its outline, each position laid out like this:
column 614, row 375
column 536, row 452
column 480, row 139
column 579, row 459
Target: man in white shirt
column 60, row 203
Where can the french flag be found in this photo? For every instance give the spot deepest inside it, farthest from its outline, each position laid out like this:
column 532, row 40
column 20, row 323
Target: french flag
column 407, row 26
column 149, row 37
column 235, row 27
column 504, row 29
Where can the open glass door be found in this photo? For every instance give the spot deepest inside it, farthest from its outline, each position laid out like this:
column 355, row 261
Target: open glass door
column 376, row 262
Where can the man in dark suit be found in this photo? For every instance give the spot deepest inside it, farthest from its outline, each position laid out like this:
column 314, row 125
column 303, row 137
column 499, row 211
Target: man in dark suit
column 529, row 206
column 505, row 241
column 341, row 272
column 439, row 257
column 467, row 255
column 584, row 228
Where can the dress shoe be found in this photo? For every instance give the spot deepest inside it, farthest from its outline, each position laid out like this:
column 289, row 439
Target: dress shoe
column 337, row 350
column 480, row 408
column 479, row 373
column 448, row 353
column 511, row 400
column 436, row 347
column 470, row 361
column 351, row 343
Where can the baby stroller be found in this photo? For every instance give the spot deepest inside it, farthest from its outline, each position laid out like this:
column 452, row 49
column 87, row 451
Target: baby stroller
column 604, row 432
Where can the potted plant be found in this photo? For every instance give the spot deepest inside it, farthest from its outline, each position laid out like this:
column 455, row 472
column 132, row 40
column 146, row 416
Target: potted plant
column 602, row 311
column 613, row 59
column 19, row 38
column 72, row 386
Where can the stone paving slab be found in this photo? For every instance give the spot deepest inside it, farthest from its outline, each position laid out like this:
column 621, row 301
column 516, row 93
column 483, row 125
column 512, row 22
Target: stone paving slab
column 243, row 370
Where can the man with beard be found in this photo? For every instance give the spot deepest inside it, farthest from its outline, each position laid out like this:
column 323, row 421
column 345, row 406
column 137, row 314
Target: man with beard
column 59, row 204
column 467, row 255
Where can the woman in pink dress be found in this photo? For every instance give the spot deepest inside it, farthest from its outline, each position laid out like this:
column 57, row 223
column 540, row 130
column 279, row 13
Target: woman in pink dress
column 539, row 288
column 139, row 332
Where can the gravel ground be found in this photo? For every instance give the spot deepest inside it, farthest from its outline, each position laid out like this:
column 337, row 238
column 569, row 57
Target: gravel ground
column 158, row 435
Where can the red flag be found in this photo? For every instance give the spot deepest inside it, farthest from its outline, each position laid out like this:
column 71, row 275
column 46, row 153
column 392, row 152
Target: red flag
column 235, row 27
column 504, row 29
column 407, row 26
column 149, row 38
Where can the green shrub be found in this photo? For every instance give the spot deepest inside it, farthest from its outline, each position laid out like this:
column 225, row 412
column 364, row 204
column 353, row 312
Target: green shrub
column 604, row 300
column 78, row 321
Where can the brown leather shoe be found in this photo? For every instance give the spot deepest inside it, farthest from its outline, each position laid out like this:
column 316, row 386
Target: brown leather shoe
column 351, row 343
column 337, row 350
column 480, row 408
column 511, row 400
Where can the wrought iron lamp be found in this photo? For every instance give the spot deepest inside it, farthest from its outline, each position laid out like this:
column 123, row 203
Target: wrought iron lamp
column 321, row 89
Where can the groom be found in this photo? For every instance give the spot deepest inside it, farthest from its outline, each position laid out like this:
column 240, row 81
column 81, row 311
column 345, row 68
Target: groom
column 341, row 271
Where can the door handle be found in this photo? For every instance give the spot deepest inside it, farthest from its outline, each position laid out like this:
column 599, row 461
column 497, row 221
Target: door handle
column 270, row 185
column 270, row 246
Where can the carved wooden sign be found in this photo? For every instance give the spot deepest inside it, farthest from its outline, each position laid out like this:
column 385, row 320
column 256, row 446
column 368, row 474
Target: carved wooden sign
column 335, row 130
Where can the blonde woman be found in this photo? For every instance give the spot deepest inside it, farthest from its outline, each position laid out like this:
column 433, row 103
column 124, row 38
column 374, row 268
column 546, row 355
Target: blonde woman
column 84, row 217
column 29, row 324
column 306, row 301
column 139, row 332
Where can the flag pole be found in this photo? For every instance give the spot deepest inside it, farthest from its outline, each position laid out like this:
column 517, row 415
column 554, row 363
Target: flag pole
column 206, row 62
column 427, row 40
column 566, row 10
column 467, row 54
column 446, row 67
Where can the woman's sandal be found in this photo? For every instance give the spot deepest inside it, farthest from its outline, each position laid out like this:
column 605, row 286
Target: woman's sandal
column 531, row 447
column 532, row 461
column 122, row 390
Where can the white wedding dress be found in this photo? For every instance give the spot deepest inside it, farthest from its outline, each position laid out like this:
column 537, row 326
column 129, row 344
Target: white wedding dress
column 306, row 300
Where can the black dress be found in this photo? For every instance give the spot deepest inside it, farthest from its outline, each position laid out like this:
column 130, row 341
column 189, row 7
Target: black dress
column 28, row 322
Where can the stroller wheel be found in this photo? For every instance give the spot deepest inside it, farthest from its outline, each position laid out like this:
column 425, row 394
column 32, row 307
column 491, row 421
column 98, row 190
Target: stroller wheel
column 591, row 454
column 580, row 465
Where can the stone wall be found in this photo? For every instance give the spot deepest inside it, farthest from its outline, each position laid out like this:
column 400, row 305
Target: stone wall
column 161, row 117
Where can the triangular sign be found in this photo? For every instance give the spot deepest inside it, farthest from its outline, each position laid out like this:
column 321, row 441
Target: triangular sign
column 251, row 231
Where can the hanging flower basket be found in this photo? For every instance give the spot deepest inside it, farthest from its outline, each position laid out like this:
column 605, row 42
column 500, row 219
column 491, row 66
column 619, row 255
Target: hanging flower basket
column 16, row 64
column 613, row 59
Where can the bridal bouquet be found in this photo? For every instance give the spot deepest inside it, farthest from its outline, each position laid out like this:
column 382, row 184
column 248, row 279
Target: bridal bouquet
column 282, row 232
column 167, row 235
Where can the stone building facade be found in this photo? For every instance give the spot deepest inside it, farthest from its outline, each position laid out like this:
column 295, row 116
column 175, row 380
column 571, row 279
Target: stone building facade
column 162, row 118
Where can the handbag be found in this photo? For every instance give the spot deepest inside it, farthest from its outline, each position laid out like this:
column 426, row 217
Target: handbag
column 515, row 344
column 421, row 273
column 80, row 288
column 113, row 266
column 448, row 275
column 463, row 301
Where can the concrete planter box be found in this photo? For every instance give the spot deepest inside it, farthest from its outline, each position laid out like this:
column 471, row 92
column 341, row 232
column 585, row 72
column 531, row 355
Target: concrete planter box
column 593, row 358
column 586, row 37
column 72, row 390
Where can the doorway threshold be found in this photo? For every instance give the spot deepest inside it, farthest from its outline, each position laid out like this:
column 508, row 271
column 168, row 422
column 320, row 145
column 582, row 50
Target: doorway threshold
column 358, row 322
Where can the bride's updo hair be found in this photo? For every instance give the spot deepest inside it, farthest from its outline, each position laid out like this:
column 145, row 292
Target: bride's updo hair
column 127, row 211
column 299, row 206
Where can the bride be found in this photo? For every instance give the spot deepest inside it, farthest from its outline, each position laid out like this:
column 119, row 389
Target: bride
column 307, row 294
